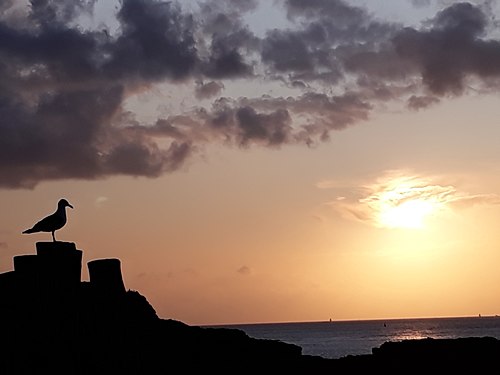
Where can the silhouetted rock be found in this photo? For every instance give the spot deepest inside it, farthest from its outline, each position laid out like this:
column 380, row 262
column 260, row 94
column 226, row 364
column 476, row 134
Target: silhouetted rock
column 460, row 355
column 106, row 276
column 52, row 323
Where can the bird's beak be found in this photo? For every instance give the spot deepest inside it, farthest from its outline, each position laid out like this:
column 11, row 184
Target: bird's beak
column 70, row 205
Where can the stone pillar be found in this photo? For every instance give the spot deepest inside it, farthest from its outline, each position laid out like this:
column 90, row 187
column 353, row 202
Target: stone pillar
column 8, row 283
column 26, row 289
column 59, row 272
column 9, row 317
column 60, row 266
column 106, row 276
column 26, row 264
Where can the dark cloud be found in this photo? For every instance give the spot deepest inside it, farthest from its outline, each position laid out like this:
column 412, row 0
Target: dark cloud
column 208, row 90
column 464, row 19
column 243, row 5
column 337, row 22
column 383, row 63
column 54, row 139
column 452, row 49
column 227, row 51
column 6, row 4
column 287, row 51
column 235, row 8
column 327, row 33
column 339, row 11
column 420, row 102
column 273, row 127
column 226, row 60
column 54, row 12
column 146, row 158
column 243, row 125
column 64, row 88
column 155, row 42
column 268, row 120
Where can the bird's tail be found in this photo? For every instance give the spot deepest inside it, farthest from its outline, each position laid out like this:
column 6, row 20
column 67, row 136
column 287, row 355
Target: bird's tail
column 29, row 231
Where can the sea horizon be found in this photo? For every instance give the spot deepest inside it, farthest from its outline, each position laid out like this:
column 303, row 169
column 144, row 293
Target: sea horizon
column 340, row 338
column 348, row 320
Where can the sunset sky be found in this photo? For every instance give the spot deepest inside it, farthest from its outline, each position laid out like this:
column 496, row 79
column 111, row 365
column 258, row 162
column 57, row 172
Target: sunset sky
column 261, row 161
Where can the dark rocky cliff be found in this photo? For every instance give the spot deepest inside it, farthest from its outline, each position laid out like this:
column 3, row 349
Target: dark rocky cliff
column 52, row 323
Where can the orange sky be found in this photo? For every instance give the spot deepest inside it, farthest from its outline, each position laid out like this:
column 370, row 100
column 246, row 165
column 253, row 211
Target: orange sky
column 246, row 237
column 394, row 216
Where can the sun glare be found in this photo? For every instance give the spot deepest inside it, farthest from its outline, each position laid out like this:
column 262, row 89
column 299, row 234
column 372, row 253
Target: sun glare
column 400, row 199
column 405, row 201
column 409, row 214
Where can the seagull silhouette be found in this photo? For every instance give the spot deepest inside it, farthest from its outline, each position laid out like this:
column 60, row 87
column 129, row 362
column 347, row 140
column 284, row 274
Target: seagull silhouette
column 52, row 222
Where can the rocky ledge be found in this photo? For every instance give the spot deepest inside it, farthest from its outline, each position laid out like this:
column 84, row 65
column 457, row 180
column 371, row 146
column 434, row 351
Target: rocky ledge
column 52, row 322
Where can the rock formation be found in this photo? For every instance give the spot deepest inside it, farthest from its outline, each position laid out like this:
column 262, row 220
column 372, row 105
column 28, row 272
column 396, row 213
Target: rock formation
column 53, row 323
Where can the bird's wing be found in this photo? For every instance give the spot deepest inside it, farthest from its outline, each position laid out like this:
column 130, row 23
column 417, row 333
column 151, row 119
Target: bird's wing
column 47, row 224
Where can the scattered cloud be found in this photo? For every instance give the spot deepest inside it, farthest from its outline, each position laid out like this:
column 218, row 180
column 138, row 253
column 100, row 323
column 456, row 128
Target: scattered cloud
column 100, row 201
column 244, row 270
column 420, row 102
column 64, row 88
column 318, row 218
column 208, row 90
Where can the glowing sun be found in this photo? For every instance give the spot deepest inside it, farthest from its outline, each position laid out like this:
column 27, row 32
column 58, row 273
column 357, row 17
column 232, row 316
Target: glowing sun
column 401, row 199
column 408, row 214
column 404, row 202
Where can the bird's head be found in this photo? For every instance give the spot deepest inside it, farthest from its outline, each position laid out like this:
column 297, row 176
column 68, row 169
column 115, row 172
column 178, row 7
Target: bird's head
column 64, row 203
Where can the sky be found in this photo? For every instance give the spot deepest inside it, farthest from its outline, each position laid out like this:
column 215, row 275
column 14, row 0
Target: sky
column 261, row 161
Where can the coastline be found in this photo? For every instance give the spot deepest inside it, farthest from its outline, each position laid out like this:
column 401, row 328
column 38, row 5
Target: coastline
column 55, row 323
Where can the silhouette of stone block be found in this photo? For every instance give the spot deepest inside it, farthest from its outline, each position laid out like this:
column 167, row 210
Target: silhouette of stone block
column 43, row 248
column 7, row 289
column 106, row 276
column 27, row 285
column 59, row 267
column 26, row 264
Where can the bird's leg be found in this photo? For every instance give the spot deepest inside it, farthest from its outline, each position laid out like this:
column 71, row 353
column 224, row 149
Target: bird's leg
column 53, row 238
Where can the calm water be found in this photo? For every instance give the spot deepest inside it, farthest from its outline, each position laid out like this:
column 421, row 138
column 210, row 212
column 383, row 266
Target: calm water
column 338, row 339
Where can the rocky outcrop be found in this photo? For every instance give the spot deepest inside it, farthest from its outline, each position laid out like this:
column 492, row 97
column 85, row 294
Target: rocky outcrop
column 52, row 323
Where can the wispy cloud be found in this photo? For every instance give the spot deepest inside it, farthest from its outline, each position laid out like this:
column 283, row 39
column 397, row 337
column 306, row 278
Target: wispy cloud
column 244, row 270
column 99, row 201
column 400, row 198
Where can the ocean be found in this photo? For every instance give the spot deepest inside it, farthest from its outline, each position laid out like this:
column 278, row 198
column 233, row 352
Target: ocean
column 341, row 338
